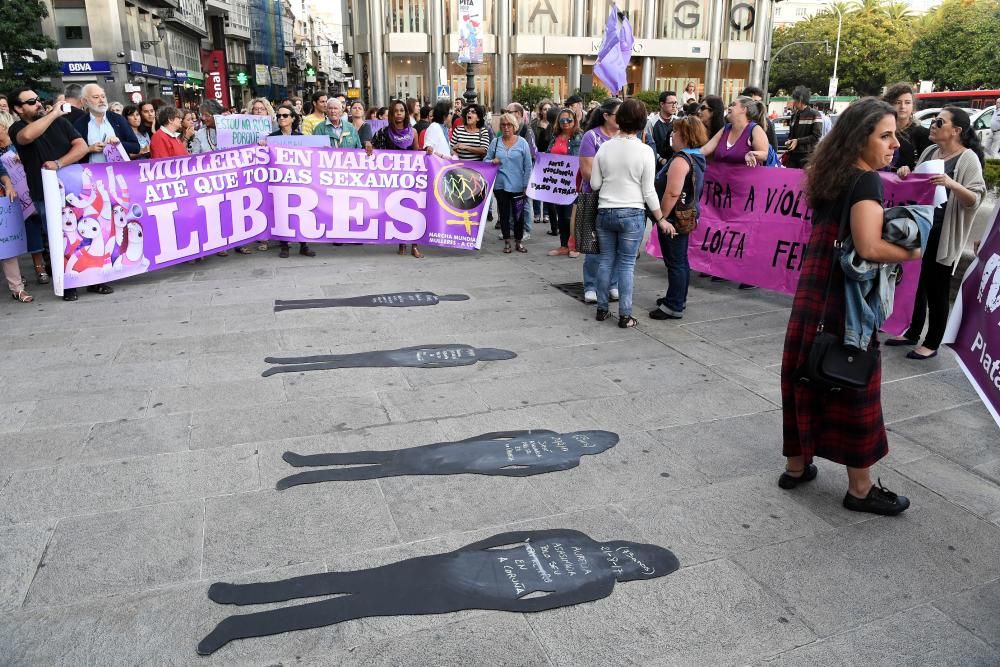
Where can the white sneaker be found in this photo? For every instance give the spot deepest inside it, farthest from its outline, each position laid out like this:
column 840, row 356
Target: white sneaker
column 527, row 235
column 613, row 295
column 590, row 297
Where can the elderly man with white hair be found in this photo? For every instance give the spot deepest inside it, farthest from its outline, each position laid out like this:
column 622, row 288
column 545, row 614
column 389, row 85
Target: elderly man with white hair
column 101, row 127
column 340, row 130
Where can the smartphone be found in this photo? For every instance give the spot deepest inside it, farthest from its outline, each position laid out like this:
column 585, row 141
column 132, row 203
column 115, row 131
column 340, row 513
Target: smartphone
column 66, row 107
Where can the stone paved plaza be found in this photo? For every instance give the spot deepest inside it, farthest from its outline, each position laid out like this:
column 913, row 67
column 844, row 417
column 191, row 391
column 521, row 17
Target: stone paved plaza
column 140, row 446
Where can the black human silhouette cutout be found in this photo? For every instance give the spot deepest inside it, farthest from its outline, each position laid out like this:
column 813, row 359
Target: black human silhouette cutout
column 508, row 453
column 523, row 571
column 419, row 356
column 390, row 300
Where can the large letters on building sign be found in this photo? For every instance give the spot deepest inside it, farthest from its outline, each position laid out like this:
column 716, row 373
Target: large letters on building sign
column 687, row 15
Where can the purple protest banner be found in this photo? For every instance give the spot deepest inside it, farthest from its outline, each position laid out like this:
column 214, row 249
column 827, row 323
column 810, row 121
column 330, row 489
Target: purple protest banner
column 553, row 178
column 754, row 227
column 134, row 217
column 13, row 240
column 15, row 170
column 115, row 153
column 974, row 325
column 375, row 125
column 308, row 140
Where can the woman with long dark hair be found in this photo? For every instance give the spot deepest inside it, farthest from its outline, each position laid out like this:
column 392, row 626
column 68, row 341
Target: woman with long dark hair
column 958, row 146
column 845, row 427
column 913, row 137
column 288, row 125
column 398, row 135
column 712, row 113
column 134, row 118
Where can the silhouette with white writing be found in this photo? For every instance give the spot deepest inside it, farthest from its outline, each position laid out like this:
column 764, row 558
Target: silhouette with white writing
column 419, row 356
column 523, row 571
column 509, row 453
column 392, row 300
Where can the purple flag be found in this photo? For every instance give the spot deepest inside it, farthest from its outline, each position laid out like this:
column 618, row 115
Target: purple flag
column 974, row 326
column 612, row 62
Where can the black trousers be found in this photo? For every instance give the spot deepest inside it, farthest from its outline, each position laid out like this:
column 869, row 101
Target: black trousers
column 510, row 206
column 933, row 296
column 563, row 214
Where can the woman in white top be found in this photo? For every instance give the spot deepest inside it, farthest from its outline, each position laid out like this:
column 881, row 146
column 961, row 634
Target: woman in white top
column 624, row 169
column 436, row 136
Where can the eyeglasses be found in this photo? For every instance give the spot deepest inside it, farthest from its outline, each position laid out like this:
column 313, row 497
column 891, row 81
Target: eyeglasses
column 703, row 108
column 567, row 121
column 284, row 115
column 938, row 123
column 671, row 102
column 28, row 103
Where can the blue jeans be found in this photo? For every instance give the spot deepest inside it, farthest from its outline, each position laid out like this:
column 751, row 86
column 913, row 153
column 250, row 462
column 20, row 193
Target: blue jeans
column 675, row 258
column 527, row 219
column 591, row 266
column 619, row 233
column 34, row 228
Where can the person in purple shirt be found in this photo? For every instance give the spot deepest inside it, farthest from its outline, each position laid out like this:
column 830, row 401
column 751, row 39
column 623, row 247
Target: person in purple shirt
column 602, row 126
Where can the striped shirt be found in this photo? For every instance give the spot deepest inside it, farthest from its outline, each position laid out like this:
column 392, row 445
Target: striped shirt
column 463, row 135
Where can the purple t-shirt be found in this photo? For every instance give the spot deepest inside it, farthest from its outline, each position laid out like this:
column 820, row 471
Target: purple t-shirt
column 592, row 140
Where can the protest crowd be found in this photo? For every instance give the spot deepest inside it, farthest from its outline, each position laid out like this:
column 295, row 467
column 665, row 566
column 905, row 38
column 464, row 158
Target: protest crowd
column 634, row 167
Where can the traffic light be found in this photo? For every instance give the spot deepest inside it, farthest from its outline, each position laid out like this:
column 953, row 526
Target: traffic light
column 241, row 78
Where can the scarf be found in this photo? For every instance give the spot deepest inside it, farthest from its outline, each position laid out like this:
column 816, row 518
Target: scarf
column 403, row 139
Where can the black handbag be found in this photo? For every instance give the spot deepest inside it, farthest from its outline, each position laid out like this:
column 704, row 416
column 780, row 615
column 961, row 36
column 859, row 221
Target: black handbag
column 586, row 223
column 831, row 365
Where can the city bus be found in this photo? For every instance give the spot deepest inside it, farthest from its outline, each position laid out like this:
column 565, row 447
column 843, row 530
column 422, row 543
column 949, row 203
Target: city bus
column 966, row 99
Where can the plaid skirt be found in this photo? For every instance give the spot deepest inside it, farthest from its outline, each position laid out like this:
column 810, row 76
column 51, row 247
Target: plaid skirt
column 844, row 427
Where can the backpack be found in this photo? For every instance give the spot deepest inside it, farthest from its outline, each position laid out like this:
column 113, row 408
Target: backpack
column 773, row 160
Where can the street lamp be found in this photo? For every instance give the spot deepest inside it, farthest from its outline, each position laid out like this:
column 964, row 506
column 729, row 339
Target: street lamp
column 767, row 69
column 161, row 32
column 836, row 57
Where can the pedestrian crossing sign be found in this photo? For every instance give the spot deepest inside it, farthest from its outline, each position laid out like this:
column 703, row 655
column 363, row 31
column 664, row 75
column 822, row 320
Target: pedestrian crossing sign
column 444, row 92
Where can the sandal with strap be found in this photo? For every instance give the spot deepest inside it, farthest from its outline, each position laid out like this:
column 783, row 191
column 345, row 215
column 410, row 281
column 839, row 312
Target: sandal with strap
column 506, row 248
column 22, row 296
column 243, row 250
column 43, row 278
column 520, row 248
column 627, row 322
column 415, row 251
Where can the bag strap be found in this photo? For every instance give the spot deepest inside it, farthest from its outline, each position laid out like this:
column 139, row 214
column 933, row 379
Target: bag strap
column 845, row 221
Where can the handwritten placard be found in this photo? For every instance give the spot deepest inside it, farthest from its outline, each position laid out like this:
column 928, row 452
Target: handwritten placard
column 115, row 153
column 15, row 170
column 13, row 240
column 307, row 140
column 553, row 178
column 241, row 129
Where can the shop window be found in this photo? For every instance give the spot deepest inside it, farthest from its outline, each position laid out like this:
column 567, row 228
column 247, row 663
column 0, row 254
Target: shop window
column 598, row 16
column 407, row 16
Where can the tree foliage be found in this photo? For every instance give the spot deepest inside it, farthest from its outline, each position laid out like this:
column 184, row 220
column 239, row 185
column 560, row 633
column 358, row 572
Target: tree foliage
column 873, row 47
column 956, row 45
column 651, row 98
column 598, row 92
column 529, row 95
column 20, row 35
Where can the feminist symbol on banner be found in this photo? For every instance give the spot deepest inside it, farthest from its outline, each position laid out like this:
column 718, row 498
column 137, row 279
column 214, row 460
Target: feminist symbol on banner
column 460, row 190
column 420, row 356
column 508, row 454
column 523, row 571
column 391, row 300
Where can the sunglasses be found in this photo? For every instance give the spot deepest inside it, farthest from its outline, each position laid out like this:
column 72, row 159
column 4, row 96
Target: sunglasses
column 28, row 103
column 938, row 123
column 284, row 115
column 567, row 121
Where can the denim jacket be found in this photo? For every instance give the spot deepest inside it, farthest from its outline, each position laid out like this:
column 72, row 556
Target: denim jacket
column 869, row 287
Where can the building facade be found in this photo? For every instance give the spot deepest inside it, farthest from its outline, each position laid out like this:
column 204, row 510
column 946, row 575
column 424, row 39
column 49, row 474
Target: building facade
column 406, row 48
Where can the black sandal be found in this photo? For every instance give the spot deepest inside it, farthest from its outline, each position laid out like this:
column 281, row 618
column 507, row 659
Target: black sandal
column 506, row 248
column 627, row 322
column 602, row 315
column 101, row 289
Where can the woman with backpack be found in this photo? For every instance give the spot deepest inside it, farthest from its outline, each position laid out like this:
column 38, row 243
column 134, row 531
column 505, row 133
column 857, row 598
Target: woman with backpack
column 685, row 176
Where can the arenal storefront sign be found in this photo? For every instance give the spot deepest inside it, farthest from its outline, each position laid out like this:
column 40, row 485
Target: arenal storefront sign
column 84, row 67
column 213, row 64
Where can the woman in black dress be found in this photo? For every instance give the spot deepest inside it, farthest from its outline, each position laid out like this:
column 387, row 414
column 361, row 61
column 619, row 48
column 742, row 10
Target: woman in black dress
column 398, row 135
column 845, row 427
